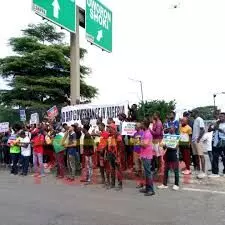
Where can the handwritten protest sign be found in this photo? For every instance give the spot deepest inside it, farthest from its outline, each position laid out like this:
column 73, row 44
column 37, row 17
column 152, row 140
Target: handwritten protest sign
column 128, row 128
column 34, row 118
column 4, row 127
column 171, row 141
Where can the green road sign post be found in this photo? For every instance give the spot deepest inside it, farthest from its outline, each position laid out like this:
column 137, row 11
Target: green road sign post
column 60, row 12
column 98, row 25
column 65, row 14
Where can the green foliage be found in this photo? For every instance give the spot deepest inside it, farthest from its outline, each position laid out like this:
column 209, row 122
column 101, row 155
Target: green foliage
column 148, row 108
column 206, row 112
column 9, row 115
column 39, row 73
column 44, row 32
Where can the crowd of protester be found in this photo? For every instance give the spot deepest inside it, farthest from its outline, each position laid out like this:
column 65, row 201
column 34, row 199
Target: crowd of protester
column 74, row 149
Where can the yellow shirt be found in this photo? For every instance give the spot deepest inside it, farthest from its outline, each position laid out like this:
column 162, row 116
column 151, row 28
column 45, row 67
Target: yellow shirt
column 185, row 133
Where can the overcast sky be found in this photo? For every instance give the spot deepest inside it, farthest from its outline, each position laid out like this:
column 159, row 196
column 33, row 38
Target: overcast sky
column 177, row 53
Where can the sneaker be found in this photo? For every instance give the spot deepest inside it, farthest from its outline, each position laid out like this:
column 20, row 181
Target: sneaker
column 41, row 175
column 201, row 175
column 162, row 186
column 83, row 180
column 176, row 188
column 149, row 193
column 214, row 175
column 143, row 190
column 87, row 183
column 34, row 175
column 186, row 172
column 140, row 186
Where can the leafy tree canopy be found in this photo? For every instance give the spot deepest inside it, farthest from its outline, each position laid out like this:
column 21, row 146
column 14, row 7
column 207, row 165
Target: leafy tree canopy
column 148, row 108
column 206, row 112
column 39, row 73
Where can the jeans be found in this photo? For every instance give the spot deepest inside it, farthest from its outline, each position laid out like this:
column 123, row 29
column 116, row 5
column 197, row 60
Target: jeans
column 15, row 159
column 148, row 174
column 38, row 160
column 60, row 163
column 171, row 166
column 89, row 167
column 73, row 163
column 217, row 152
column 25, row 164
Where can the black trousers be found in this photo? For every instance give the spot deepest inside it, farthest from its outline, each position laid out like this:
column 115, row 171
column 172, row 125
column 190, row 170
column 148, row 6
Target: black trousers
column 15, row 159
column 218, row 152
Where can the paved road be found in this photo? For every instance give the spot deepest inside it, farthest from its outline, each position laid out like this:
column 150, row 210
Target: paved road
column 26, row 201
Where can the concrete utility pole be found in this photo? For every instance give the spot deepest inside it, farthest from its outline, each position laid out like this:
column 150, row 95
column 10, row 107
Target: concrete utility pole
column 75, row 63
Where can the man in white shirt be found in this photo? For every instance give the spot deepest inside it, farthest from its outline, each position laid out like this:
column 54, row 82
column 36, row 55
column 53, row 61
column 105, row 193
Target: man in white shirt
column 25, row 152
column 197, row 148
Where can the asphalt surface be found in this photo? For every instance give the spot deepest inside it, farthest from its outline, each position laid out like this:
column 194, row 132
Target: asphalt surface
column 47, row 201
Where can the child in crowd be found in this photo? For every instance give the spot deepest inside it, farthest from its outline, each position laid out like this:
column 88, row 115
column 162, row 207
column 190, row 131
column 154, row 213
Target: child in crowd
column 171, row 160
column 207, row 144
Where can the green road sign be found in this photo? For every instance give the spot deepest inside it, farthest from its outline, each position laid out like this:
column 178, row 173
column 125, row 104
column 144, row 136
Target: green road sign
column 98, row 24
column 60, row 12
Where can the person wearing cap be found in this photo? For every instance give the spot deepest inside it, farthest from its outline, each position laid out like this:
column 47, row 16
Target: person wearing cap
column 25, row 152
column 115, row 144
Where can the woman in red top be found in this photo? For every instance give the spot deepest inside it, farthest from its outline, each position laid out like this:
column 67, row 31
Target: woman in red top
column 38, row 141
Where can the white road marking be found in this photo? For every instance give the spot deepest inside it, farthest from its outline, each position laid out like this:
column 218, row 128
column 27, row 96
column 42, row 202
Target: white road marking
column 204, row 190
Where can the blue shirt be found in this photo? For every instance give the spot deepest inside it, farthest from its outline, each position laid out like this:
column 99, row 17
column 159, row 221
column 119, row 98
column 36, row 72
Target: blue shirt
column 174, row 124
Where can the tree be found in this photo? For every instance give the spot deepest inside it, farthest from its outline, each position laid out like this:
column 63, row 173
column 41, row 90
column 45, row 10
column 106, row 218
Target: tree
column 148, row 108
column 39, row 73
column 206, row 112
column 9, row 115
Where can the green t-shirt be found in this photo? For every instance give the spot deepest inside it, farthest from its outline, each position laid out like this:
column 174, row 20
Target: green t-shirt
column 57, row 143
column 15, row 149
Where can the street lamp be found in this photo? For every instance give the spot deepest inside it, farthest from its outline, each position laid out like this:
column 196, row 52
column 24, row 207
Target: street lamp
column 142, row 95
column 141, row 87
column 214, row 100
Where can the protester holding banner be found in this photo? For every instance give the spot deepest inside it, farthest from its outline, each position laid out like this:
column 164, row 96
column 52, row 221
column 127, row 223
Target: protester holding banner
column 171, row 160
